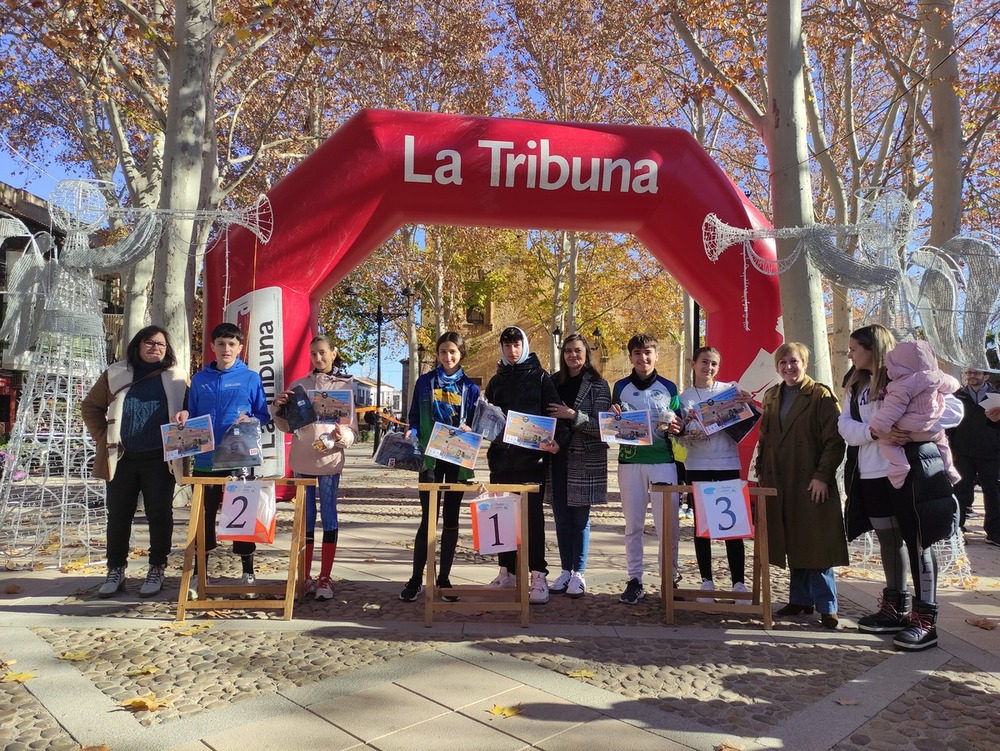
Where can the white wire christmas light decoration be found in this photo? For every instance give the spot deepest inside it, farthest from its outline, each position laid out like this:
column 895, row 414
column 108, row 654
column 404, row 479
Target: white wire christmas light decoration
column 55, row 327
column 949, row 293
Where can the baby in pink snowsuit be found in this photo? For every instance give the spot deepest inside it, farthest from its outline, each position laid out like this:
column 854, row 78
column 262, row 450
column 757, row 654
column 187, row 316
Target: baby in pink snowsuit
column 914, row 402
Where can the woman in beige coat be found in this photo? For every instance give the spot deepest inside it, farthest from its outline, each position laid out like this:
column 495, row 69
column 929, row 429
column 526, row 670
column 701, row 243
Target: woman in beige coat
column 799, row 451
column 123, row 412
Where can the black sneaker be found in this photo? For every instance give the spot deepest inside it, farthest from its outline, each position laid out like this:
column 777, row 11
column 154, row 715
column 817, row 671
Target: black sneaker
column 446, row 584
column 921, row 633
column 411, row 591
column 994, row 540
column 633, row 592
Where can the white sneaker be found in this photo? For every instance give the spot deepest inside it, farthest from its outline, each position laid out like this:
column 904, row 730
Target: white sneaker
column 249, row 580
column 707, row 586
column 558, row 587
column 740, row 587
column 324, row 589
column 577, row 586
column 539, row 592
column 505, row 580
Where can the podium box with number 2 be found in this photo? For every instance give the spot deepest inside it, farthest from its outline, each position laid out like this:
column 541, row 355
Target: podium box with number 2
column 729, row 518
column 476, row 598
column 283, row 594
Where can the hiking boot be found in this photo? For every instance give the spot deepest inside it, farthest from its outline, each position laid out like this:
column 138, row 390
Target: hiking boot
column 893, row 614
column 153, row 583
column 577, row 586
column 633, row 592
column 558, row 587
column 324, row 589
column 707, row 586
column 113, row 583
column 411, row 591
column 504, row 580
column 921, row 632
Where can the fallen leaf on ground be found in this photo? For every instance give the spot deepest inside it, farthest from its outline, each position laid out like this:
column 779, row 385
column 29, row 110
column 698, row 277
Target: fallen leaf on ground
column 501, row 711
column 5, row 664
column 145, row 703
column 728, row 747
column 17, row 677
column 371, row 606
column 13, row 589
column 984, row 623
column 102, row 747
column 144, row 670
column 74, row 656
column 847, row 702
column 582, row 673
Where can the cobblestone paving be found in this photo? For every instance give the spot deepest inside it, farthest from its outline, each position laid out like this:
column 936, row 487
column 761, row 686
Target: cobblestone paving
column 954, row 709
column 26, row 724
column 202, row 670
column 742, row 687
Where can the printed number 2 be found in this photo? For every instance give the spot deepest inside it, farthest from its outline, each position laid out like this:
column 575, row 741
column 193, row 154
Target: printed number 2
column 232, row 524
column 728, row 511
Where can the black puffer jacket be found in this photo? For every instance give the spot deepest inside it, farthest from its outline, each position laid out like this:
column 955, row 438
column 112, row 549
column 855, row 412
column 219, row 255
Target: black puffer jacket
column 523, row 387
column 925, row 506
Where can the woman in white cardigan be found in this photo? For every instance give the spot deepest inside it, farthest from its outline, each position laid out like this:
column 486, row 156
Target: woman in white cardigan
column 123, row 412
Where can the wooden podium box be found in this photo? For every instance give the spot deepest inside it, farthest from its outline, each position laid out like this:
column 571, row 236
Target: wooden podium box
column 755, row 602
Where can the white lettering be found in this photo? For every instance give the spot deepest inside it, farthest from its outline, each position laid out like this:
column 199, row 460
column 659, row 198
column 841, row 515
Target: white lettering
column 495, row 148
column 609, row 168
column 595, row 174
column 451, row 173
column 645, row 183
column 547, row 161
column 409, row 175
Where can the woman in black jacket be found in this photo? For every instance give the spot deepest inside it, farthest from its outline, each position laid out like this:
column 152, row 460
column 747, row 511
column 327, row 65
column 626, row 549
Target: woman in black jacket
column 522, row 385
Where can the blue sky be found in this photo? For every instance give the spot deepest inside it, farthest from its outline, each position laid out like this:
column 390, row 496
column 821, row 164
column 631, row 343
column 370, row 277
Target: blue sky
column 41, row 180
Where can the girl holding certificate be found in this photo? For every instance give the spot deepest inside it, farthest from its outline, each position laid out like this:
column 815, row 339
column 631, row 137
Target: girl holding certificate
column 318, row 451
column 578, row 475
column 713, row 458
column 448, row 396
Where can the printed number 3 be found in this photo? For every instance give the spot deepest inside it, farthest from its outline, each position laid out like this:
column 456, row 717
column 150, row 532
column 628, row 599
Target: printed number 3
column 727, row 511
column 232, row 524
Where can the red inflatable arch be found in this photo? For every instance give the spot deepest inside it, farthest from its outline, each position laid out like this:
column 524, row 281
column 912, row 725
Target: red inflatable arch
column 382, row 169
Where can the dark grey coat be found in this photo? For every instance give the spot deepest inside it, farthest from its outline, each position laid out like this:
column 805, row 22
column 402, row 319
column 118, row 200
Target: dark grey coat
column 586, row 455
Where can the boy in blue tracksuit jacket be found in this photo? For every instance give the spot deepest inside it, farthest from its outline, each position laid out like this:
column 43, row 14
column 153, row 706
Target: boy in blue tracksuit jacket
column 225, row 389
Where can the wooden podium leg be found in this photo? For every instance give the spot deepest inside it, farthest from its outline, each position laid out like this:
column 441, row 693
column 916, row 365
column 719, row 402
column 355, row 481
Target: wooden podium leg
column 296, row 553
column 667, row 557
column 760, row 542
column 195, row 532
column 523, row 569
column 434, row 496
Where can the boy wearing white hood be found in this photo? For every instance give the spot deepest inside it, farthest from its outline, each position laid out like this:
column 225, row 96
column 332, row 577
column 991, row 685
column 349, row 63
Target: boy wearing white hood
column 522, row 385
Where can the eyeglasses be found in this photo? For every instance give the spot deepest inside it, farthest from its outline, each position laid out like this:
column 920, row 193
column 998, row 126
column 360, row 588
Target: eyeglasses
column 152, row 344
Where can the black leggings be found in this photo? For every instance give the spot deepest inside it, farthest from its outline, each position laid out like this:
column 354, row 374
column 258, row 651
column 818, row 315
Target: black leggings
column 735, row 549
column 449, row 507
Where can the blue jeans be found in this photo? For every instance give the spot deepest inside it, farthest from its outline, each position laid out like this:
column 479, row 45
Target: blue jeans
column 328, row 487
column 572, row 534
column 813, row 586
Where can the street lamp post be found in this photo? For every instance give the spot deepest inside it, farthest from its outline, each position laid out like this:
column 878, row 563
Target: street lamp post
column 381, row 317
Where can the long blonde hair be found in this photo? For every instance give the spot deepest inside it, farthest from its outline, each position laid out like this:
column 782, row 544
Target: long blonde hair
column 878, row 340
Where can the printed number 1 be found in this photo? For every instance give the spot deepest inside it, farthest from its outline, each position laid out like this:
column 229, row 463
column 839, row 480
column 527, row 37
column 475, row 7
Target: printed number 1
column 727, row 510
column 496, row 530
column 232, row 524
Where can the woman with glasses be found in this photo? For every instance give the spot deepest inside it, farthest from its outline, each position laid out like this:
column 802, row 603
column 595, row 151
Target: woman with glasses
column 123, row 412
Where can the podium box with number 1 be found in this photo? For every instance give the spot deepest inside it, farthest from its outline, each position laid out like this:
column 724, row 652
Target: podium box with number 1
column 495, row 532
column 725, row 515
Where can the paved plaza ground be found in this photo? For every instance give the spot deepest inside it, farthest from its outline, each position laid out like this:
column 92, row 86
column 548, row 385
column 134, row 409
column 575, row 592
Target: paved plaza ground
column 362, row 671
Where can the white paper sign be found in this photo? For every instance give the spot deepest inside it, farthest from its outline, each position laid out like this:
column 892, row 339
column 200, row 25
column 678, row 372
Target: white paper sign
column 722, row 510
column 495, row 524
column 247, row 512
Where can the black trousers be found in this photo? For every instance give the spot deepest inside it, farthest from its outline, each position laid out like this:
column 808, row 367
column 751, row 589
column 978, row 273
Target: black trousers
column 213, row 501
column 450, row 506
column 536, row 521
column 148, row 474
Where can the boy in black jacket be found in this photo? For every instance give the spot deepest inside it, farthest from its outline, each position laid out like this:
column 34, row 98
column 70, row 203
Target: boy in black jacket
column 522, row 385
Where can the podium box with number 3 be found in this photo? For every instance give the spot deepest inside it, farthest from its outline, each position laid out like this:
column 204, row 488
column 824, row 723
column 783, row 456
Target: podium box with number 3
column 195, row 547
column 725, row 519
column 493, row 528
